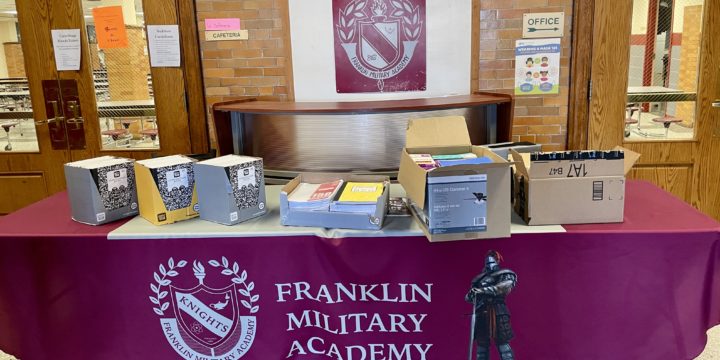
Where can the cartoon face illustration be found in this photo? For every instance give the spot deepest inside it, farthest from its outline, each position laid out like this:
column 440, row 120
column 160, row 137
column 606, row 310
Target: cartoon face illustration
column 529, row 62
column 543, row 75
column 536, row 74
column 544, row 62
column 528, row 76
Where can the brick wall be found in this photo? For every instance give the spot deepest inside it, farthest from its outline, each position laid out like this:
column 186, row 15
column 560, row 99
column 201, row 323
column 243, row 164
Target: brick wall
column 253, row 67
column 689, row 59
column 540, row 119
column 14, row 59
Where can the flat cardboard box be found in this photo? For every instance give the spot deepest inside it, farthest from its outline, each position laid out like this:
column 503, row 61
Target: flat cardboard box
column 101, row 190
column 449, row 135
column 578, row 191
column 231, row 189
column 166, row 189
column 332, row 219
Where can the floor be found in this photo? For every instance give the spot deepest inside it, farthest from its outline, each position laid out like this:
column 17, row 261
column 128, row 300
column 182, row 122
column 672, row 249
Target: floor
column 711, row 352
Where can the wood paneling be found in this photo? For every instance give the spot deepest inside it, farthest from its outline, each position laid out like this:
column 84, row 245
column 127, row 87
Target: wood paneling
column 706, row 189
column 200, row 142
column 169, row 87
column 664, row 153
column 23, row 189
column 676, row 180
column 580, row 67
column 610, row 60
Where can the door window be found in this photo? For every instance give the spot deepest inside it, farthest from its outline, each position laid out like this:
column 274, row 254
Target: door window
column 663, row 75
column 121, row 73
column 17, row 127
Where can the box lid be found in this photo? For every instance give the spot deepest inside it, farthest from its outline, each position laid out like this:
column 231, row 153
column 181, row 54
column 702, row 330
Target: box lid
column 437, row 132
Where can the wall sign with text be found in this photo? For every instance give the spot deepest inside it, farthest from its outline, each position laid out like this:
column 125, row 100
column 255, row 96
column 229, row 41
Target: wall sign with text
column 379, row 45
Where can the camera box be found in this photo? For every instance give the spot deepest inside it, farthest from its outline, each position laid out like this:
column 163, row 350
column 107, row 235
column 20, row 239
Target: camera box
column 166, row 189
column 231, row 189
column 577, row 187
column 101, row 190
column 334, row 219
column 458, row 202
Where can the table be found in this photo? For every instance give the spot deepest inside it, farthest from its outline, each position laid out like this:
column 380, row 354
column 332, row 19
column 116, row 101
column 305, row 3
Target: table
column 648, row 288
column 658, row 94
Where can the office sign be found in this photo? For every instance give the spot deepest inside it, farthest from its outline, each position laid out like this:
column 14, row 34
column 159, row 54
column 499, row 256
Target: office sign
column 543, row 25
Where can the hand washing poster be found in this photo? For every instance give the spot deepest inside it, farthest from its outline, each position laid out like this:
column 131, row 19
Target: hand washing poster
column 537, row 66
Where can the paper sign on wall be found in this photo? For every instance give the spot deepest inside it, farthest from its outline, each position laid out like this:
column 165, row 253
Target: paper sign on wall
column 226, row 35
column 222, row 24
column 537, row 66
column 66, row 45
column 164, row 44
column 110, row 27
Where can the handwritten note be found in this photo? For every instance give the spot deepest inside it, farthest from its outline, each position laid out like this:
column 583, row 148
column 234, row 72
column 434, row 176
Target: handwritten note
column 66, row 45
column 110, row 27
column 222, row 24
column 164, row 44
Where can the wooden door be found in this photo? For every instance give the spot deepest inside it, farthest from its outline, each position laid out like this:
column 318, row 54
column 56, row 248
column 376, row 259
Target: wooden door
column 124, row 107
column 30, row 163
column 663, row 73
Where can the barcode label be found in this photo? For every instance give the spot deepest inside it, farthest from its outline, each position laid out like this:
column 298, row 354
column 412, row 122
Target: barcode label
column 479, row 221
column 597, row 194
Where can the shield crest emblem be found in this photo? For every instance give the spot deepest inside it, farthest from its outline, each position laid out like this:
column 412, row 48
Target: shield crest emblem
column 207, row 315
column 379, row 45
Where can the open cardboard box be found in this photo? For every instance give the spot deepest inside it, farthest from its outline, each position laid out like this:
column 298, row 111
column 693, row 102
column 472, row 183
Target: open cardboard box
column 334, row 219
column 559, row 192
column 449, row 135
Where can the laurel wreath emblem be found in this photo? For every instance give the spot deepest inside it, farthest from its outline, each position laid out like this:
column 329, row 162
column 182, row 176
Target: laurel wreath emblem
column 353, row 11
column 162, row 280
column 240, row 280
column 163, row 275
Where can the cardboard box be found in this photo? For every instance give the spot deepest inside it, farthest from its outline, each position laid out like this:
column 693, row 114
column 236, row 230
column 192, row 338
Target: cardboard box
column 449, row 135
column 166, row 189
column 331, row 219
column 580, row 191
column 101, row 190
column 231, row 189
column 503, row 149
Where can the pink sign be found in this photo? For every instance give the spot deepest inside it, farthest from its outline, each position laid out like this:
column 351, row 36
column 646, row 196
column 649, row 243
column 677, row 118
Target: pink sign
column 222, row 24
column 379, row 45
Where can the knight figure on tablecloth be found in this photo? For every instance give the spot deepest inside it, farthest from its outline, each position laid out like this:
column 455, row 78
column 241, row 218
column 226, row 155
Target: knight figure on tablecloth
column 491, row 315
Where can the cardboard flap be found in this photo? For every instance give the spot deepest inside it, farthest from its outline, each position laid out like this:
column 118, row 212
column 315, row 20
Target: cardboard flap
column 631, row 158
column 437, row 132
column 521, row 161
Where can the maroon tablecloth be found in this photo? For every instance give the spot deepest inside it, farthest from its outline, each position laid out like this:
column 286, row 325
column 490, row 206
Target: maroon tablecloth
column 645, row 289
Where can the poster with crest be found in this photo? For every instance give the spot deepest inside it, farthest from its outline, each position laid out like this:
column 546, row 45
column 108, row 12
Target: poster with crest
column 379, row 45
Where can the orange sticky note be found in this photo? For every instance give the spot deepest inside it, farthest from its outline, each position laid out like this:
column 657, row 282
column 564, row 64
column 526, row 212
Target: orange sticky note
column 110, row 27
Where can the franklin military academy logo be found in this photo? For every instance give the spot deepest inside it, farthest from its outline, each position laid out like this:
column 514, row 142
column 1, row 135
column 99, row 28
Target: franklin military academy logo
column 380, row 39
column 204, row 322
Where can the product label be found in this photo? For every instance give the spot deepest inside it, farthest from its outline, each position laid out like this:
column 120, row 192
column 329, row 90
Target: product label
column 233, row 216
column 176, row 179
column 246, row 177
column 100, row 217
column 117, row 179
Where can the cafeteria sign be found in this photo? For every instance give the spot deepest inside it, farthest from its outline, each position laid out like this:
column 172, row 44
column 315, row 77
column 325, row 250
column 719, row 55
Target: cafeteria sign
column 226, row 35
column 379, row 45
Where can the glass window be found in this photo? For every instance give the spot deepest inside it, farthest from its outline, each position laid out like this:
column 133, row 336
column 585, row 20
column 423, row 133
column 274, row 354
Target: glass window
column 121, row 71
column 17, row 127
column 663, row 74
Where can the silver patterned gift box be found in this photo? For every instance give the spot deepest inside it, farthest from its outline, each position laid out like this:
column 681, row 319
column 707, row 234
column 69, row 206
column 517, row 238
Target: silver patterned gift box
column 101, row 190
column 231, row 189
